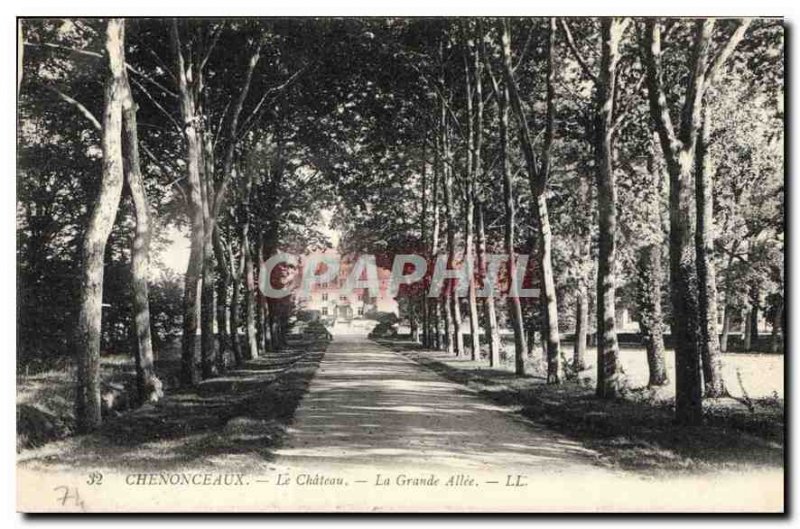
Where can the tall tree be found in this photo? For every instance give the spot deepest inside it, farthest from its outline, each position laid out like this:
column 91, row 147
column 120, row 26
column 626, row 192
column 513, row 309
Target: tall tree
column 453, row 315
column 489, row 302
column 469, row 204
column 608, row 369
column 608, row 117
column 679, row 147
column 104, row 210
column 501, row 97
column 538, row 175
column 191, row 297
column 649, row 278
column 149, row 386
column 714, row 384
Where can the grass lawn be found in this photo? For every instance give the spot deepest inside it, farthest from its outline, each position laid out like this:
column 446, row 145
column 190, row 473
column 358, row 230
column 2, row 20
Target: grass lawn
column 637, row 431
column 264, row 390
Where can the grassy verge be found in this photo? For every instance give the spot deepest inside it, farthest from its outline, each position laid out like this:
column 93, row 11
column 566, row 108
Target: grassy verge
column 256, row 400
column 634, row 433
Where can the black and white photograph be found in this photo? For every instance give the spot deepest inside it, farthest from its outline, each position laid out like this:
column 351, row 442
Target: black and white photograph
column 400, row 264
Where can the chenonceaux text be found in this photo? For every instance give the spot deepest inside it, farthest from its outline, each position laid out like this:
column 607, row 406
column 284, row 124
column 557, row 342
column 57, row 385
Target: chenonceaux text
column 185, row 478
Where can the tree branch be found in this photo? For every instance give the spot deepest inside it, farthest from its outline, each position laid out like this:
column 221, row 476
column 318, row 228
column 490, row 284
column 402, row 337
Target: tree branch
column 691, row 114
column 81, row 108
column 175, row 182
column 525, row 48
column 651, row 52
column 275, row 89
column 550, row 118
column 227, row 171
column 214, row 40
column 88, row 53
column 525, row 141
column 726, row 51
column 628, row 106
column 578, row 57
column 158, row 105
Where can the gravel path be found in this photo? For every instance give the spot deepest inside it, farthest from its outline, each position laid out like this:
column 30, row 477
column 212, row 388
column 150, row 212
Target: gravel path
column 368, row 405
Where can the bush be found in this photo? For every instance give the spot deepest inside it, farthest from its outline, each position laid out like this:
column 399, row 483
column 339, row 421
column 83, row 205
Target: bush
column 166, row 308
column 384, row 330
column 308, row 315
column 382, row 317
column 318, row 331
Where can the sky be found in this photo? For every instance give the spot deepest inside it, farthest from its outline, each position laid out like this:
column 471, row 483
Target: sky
column 175, row 255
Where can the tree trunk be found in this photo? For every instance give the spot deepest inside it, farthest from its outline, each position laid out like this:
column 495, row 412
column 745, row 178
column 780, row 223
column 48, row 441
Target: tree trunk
column 458, row 336
column 447, row 316
column 469, row 255
column 510, row 238
column 754, row 322
column 581, row 328
column 189, row 373
column 472, row 300
column 441, row 306
column 20, row 54
column 276, row 331
column 273, row 340
column 412, row 321
column 454, row 316
column 608, row 375
column 249, row 292
column 148, row 385
column 261, row 324
column 267, row 336
column 207, row 306
column 223, row 306
column 706, row 280
column 689, row 406
column 538, row 174
column 236, row 284
column 207, row 310
column 435, row 305
column 530, row 337
column 469, row 218
column 426, row 326
column 211, row 204
column 777, row 330
column 435, row 311
column 748, row 329
column 548, row 292
column 649, row 279
column 101, row 221
column 727, row 320
column 583, row 300
column 423, row 229
column 488, row 302
column 679, row 151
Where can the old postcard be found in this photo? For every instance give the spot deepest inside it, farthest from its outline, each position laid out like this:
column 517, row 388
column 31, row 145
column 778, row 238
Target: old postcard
column 387, row 264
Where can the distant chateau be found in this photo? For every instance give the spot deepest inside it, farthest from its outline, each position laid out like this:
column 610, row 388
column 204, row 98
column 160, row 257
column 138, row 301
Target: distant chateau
column 330, row 301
